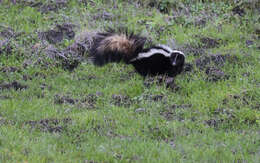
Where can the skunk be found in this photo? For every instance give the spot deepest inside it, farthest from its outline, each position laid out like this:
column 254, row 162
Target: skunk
column 112, row 46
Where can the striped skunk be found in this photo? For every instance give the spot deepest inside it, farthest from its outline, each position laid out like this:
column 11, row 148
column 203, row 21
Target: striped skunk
column 112, row 46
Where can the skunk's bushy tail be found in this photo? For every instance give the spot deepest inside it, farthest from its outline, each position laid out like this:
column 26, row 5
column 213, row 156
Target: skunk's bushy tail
column 115, row 46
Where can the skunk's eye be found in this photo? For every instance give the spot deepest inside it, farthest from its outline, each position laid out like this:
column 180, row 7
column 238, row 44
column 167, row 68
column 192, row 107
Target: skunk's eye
column 177, row 58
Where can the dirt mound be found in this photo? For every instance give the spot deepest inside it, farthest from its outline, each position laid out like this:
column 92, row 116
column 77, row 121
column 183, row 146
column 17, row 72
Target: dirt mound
column 194, row 49
column 44, row 7
column 71, row 56
column 215, row 74
column 212, row 65
column 58, row 33
column 160, row 81
column 7, row 32
column 215, row 59
column 88, row 101
column 121, row 100
column 174, row 112
column 239, row 10
column 50, row 125
column 9, row 69
column 6, row 47
column 13, row 85
column 59, row 99
column 208, row 42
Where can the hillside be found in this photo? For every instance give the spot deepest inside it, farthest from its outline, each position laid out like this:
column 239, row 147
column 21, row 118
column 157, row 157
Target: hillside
column 56, row 106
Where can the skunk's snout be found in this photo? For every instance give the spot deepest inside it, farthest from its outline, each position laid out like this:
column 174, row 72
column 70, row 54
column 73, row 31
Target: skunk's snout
column 177, row 58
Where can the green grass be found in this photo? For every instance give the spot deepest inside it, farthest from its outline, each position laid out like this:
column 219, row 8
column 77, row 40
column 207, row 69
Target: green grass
column 201, row 121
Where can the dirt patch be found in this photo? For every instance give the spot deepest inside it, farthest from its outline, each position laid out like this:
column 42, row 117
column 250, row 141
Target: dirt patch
column 74, row 55
column 229, row 118
column 127, row 76
column 65, row 59
column 45, row 86
column 10, row 69
column 194, row 49
column 149, row 81
column 53, row 6
column 34, row 76
column 60, row 99
column 214, row 74
column 52, row 36
column 70, row 57
column 214, row 122
column 27, row 62
column 121, row 100
column 161, row 80
column 188, row 67
column 182, row 106
column 4, row 121
column 201, row 21
column 223, row 118
column 155, row 98
column 70, row 64
column 57, row 34
column 216, row 59
column 103, row 15
column 229, row 113
column 238, row 10
column 212, row 65
column 113, row 134
column 44, row 7
column 13, row 85
column 88, row 101
column 87, row 77
column 245, row 98
column 208, row 42
column 6, row 47
column 7, row 40
column 27, row 77
column 174, row 112
column 7, row 32
column 159, row 133
column 50, row 125
column 171, row 84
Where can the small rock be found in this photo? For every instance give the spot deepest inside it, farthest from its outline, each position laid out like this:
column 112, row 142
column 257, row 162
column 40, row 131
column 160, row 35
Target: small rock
column 140, row 110
column 249, row 42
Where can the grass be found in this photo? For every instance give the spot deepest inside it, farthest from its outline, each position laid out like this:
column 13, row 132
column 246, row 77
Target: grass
column 109, row 114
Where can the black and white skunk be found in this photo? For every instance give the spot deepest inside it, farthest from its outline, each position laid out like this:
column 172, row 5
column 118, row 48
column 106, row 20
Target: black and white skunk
column 119, row 46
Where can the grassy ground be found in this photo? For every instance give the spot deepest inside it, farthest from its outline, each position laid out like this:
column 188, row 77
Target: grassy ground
column 67, row 110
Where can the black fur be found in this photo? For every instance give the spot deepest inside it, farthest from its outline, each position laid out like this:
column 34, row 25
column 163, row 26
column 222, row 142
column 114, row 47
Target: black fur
column 158, row 64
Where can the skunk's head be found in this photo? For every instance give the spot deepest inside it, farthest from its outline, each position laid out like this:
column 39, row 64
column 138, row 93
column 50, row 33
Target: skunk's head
column 159, row 59
column 177, row 58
